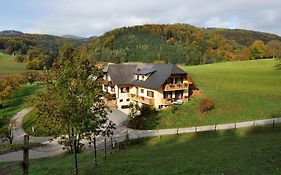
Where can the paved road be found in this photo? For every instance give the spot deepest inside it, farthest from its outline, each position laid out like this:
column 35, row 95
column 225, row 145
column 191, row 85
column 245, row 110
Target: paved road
column 120, row 134
column 51, row 148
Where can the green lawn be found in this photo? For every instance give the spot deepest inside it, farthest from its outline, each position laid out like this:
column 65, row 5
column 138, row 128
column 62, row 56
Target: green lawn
column 9, row 65
column 241, row 151
column 241, row 90
column 15, row 103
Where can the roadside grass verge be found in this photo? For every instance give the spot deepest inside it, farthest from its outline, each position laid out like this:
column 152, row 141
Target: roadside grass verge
column 254, row 150
column 31, row 120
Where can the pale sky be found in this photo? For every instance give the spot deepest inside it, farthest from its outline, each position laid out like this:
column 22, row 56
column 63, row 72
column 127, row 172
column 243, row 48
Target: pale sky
column 94, row 17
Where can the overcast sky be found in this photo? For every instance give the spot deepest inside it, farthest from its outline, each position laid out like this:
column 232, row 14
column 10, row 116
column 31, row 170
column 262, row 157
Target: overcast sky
column 94, row 17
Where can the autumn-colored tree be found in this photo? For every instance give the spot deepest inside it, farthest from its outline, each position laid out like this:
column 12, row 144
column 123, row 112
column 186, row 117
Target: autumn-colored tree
column 72, row 102
column 273, row 49
column 257, row 50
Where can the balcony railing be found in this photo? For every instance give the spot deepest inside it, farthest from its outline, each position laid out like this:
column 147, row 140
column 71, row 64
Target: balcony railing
column 168, row 101
column 179, row 86
column 149, row 101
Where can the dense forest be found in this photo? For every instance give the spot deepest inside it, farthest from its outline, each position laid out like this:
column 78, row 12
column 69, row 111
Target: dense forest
column 152, row 43
column 183, row 43
column 36, row 50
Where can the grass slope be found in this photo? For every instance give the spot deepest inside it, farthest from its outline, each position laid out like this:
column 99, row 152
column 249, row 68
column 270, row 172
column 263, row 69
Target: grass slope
column 15, row 103
column 242, row 91
column 9, row 65
column 240, row 151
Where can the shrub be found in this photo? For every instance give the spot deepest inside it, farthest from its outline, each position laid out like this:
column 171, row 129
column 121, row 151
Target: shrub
column 174, row 108
column 206, row 104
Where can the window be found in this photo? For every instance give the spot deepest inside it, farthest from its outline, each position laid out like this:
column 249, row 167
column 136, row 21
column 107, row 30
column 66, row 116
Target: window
column 125, row 90
column 179, row 80
column 128, row 99
column 112, row 89
column 142, row 91
column 170, row 81
column 168, row 94
column 150, row 93
column 121, row 100
column 124, row 106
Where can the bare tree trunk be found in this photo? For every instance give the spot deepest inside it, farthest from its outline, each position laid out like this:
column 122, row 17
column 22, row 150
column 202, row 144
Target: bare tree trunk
column 75, row 168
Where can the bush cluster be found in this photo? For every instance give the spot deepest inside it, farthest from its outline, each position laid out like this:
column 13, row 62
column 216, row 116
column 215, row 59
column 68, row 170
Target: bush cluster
column 206, row 104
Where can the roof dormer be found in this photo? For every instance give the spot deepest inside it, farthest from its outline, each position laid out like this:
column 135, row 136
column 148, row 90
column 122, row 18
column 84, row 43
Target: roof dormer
column 143, row 74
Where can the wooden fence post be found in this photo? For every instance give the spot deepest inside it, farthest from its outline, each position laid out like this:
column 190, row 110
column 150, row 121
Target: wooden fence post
column 95, row 151
column 75, row 165
column 111, row 141
column 104, row 148
column 25, row 154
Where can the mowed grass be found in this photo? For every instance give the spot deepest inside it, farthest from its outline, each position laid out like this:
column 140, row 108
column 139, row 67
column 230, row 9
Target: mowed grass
column 241, row 90
column 9, row 65
column 241, row 151
column 15, row 103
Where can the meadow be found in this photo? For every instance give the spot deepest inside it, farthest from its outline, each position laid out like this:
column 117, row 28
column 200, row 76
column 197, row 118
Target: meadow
column 15, row 103
column 254, row 150
column 9, row 65
column 241, row 90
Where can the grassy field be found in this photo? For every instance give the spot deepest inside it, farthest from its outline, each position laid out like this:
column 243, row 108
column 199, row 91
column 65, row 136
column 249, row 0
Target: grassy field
column 240, row 151
column 15, row 103
column 9, row 65
column 245, row 90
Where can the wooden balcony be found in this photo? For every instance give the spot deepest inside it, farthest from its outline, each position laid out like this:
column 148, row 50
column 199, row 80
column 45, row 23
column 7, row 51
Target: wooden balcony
column 172, row 87
column 107, row 83
column 169, row 101
column 149, row 101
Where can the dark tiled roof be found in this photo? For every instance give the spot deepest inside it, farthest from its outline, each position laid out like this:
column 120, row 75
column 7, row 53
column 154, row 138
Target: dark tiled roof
column 144, row 71
column 122, row 74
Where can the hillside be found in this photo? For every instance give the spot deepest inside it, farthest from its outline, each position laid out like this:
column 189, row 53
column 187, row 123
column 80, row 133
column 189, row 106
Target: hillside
column 241, row 91
column 244, row 37
column 36, row 50
column 172, row 43
column 10, row 33
column 182, row 43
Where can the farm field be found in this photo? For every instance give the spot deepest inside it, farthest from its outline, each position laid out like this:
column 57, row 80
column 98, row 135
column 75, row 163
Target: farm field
column 241, row 90
column 241, row 151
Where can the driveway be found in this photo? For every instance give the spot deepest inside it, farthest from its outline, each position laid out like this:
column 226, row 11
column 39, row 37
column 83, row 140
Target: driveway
column 52, row 148
column 118, row 117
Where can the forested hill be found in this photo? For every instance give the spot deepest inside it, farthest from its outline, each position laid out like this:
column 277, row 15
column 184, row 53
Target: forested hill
column 244, row 37
column 182, row 43
column 173, row 43
column 36, row 50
